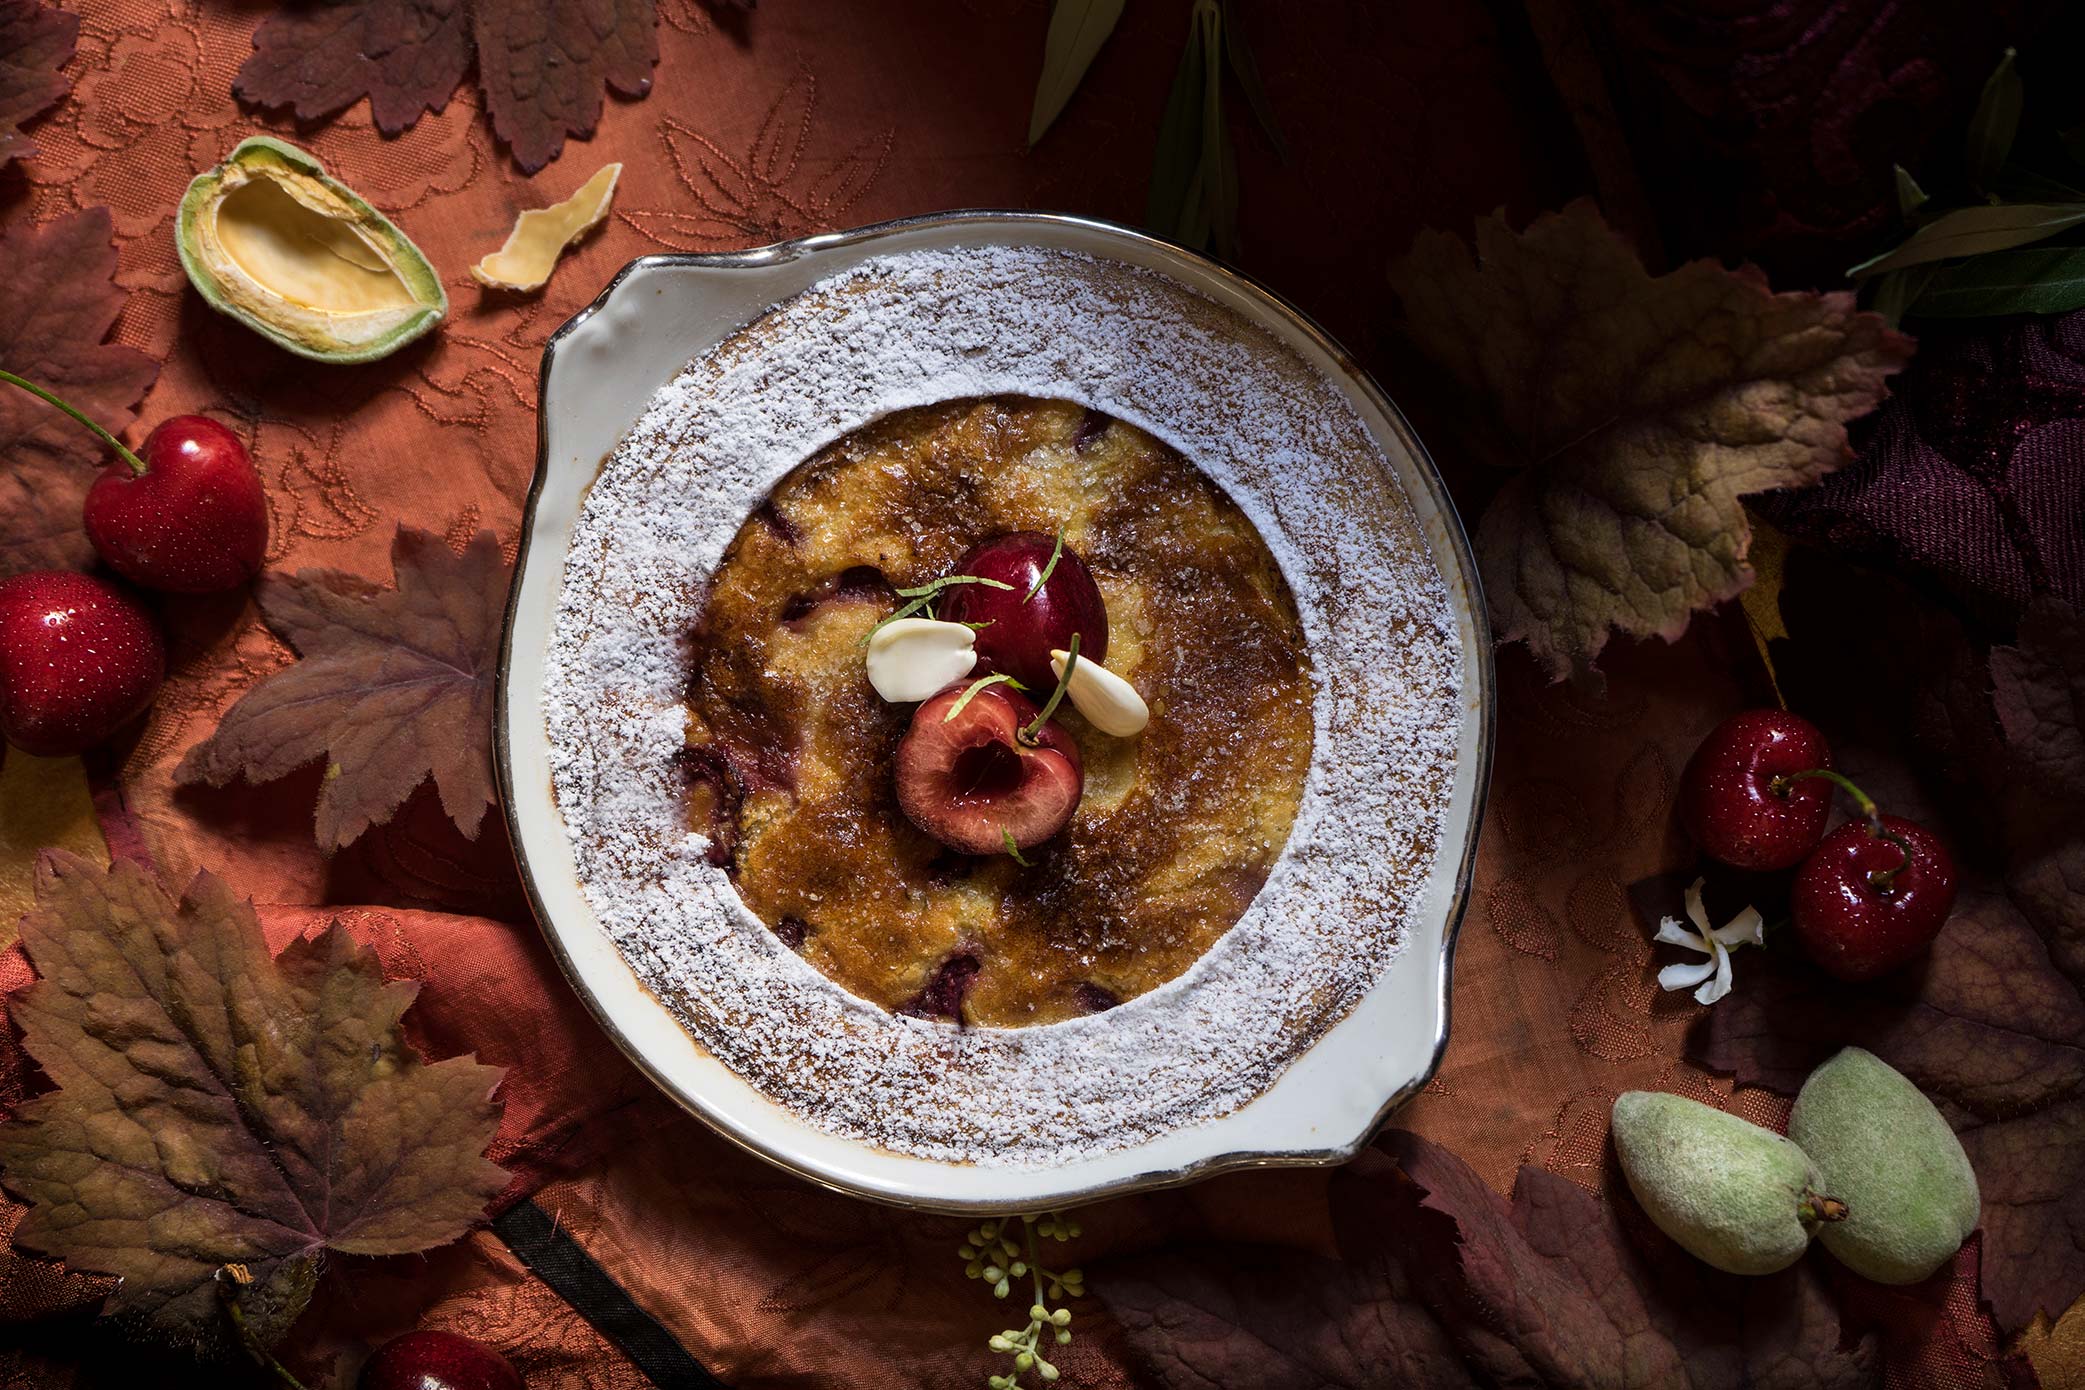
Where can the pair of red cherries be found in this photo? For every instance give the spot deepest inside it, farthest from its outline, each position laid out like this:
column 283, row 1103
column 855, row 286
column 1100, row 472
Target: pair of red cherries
column 80, row 656
column 1870, row 896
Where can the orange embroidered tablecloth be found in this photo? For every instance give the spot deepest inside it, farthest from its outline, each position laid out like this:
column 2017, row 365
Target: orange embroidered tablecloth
column 805, row 115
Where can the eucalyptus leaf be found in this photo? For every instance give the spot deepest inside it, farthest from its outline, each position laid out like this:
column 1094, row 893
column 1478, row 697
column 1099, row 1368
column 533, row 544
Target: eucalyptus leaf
column 1178, row 158
column 1078, row 28
column 1974, row 231
column 1239, row 54
column 2043, row 280
column 1996, row 122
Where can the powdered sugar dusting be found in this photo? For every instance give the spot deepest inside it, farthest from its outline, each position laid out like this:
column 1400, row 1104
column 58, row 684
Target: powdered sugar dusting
column 916, row 329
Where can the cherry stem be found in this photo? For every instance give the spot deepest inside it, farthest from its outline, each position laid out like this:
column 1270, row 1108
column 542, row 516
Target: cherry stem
column 1881, row 879
column 1071, row 662
column 137, row 465
column 230, row 1279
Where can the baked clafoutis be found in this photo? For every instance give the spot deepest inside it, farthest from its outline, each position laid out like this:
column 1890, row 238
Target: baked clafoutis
column 1002, row 705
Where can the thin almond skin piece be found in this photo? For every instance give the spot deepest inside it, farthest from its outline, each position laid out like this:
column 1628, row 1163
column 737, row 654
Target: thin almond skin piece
column 914, row 658
column 541, row 235
column 1110, row 703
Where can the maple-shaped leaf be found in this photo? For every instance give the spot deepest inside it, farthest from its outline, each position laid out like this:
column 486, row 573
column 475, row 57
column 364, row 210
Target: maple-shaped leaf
column 61, row 303
column 2038, row 688
column 35, row 42
column 1440, row 1281
column 406, row 56
column 391, row 687
column 542, row 63
column 216, row 1106
column 1634, row 411
column 543, row 66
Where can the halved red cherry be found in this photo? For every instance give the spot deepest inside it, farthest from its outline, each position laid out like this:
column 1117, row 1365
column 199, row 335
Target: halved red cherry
column 966, row 777
column 1042, row 605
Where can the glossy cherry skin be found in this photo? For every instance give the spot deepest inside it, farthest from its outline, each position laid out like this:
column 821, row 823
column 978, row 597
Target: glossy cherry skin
column 437, row 1361
column 1021, row 632
column 79, row 659
column 970, row 782
column 1727, row 800
column 194, row 522
column 1852, row 928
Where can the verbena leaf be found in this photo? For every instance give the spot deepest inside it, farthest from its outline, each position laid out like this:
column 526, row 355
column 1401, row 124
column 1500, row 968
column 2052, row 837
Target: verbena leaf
column 1896, row 290
column 1996, row 122
column 1636, row 411
column 394, row 687
column 1239, row 55
column 2041, row 280
column 215, row 1105
column 1218, row 222
column 406, row 56
column 1975, row 231
column 1910, row 197
column 1078, row 28
column 61, row 303
column 1179, row 153
column 35, row 42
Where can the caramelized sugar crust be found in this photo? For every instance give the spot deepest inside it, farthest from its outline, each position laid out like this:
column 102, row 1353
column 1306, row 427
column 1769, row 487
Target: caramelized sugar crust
column 790, row 749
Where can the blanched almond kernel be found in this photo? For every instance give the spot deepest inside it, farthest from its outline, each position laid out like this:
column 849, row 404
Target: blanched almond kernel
column 1110, row 703
column 913, row 658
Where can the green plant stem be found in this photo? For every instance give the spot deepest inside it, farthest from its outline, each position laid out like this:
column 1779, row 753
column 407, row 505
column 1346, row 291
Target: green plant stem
column 137, row 465
column 1071, row 660
column 1881, row 879
column 253, row 1344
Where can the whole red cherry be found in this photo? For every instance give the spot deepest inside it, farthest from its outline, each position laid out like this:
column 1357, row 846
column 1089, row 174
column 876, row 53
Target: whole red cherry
column 1865, row 903
column 186, row 513
column 966, row 776
column 1036, row 611
column 1737, row 800
column 79, row 658
column 437, row 1361
column 190, row 518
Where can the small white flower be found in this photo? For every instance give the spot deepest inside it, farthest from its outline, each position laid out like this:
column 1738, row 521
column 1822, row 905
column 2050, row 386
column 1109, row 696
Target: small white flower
column 1744, row 929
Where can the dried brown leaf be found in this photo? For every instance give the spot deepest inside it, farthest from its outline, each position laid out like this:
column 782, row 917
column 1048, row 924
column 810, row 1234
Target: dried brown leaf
column 543, row 65
column 394, row 686
column 215, row 1105
column 35, row 42
column 1635, row 411
column 406, row 56
column 2038, row 688
column 61, row 303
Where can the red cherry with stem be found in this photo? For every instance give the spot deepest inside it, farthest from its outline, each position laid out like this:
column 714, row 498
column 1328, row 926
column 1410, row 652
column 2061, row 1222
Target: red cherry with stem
column 1873, row 895
column 968, row 777
column 79, row 659
column 1740, row 799
column 430, row 1360
column 186, row 513
column 1048, row 597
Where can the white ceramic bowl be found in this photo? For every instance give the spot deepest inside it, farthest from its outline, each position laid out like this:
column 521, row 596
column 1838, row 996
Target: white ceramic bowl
column 599, row 371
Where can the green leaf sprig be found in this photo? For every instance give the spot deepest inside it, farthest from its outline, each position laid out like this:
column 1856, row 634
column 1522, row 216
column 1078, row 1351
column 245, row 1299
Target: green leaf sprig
column 922, row 598
column 1194, row 174
column 1984, row 258
column 970, row 692
column 1078, row 28
column 1033, row 730
column 1056, row 554
column 991, row 1254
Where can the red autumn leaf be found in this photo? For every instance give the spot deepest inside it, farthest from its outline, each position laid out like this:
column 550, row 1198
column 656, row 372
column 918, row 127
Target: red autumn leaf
column 1632, row 412
column 2038, row 688
column 35, row 42
column 393, row 687
column 1440, row 1281
column 542, row 63
column 406, row 56
column 214, row 1105
column 61, row 304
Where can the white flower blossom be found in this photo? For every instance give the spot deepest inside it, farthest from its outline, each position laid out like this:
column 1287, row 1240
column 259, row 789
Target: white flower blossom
column 1743, row 929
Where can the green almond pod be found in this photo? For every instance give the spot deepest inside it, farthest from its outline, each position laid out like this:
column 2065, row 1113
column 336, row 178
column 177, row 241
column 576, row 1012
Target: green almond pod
column 1883, row 1148
column 268, row 238
column 1733, row 1195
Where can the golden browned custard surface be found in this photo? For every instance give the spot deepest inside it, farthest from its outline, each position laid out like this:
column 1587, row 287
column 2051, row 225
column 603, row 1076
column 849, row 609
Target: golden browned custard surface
column 790, row 749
